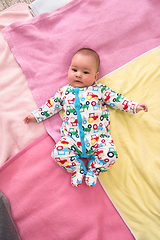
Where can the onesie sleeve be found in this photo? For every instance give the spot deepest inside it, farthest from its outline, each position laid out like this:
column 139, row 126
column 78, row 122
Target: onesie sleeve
column 51, row 107
column 117, row 100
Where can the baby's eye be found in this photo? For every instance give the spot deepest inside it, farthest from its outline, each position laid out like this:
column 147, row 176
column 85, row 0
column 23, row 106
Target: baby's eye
column 74, row 70
column 86, row 72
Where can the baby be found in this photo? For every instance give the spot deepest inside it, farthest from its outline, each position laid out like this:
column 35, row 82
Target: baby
column 85, row 129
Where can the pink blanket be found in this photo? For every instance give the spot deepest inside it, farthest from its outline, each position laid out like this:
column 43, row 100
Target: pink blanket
column 44, row 205
column 118, row 30
column 16, row 99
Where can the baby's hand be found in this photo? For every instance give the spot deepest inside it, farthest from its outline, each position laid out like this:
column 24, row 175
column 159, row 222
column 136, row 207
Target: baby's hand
column 29, row 118
column 141, row 107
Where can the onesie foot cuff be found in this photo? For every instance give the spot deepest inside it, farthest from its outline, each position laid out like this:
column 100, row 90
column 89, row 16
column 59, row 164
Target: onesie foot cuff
column 91, row 178
column 76, row 179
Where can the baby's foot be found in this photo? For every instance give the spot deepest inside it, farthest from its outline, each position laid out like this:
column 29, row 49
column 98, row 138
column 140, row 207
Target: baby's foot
column 76, row 179
column 91, row 178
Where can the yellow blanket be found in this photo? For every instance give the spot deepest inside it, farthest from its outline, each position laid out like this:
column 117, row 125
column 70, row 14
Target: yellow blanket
column 133, row 183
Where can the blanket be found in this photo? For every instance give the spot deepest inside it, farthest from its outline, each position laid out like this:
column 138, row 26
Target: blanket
column 7, row 227
column 44, row 53
column 16, row 100
column 117, row 41
column 44, row 205
column 38, row 7
column 133, row 182
column 28, row 184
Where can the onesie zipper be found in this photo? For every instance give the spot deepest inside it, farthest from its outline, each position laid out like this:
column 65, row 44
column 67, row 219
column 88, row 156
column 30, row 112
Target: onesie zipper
column 81, row 133
column 79, row 119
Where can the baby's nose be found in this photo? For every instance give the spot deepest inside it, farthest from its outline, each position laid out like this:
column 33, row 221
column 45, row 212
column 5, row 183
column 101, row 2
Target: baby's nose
column 78, row 74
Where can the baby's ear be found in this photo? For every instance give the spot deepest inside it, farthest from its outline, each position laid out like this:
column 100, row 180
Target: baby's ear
column 96, row 75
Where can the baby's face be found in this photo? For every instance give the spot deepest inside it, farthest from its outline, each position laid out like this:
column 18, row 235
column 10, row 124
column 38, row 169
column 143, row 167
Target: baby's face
column 82, row 71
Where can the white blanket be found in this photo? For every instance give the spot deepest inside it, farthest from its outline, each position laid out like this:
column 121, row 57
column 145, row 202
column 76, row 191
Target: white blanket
column 40, row 6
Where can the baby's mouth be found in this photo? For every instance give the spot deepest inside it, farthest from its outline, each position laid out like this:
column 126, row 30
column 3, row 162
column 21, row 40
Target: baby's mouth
column 78, row 81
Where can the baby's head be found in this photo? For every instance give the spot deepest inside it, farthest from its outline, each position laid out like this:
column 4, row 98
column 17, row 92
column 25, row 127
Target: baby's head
column 83, row 70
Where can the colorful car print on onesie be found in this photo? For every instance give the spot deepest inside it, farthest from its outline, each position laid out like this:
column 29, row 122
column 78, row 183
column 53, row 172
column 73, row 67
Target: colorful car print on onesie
column 85, row 129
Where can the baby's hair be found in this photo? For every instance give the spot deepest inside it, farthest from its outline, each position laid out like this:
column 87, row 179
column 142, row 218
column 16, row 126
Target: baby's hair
column 91, row 52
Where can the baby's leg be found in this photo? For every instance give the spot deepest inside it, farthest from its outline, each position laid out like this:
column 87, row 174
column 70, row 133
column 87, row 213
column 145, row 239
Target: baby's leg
column 105, row 156
column 66, row 156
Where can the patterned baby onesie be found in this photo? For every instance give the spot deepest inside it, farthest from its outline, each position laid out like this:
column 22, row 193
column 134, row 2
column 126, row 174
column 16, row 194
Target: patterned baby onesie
column 85, row 129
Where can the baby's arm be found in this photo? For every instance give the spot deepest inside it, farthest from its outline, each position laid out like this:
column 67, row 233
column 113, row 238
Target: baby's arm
column 29, row 118
column 120, row 102
column 52, row 106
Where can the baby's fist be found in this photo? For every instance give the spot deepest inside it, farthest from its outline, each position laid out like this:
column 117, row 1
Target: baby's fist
column 142, row 107
column 29, row 118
